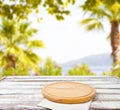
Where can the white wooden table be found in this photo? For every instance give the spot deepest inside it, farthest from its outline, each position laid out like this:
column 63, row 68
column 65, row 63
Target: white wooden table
column 24, row 93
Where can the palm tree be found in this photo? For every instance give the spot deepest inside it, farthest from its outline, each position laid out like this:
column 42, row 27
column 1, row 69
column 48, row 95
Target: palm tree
column 104, row 9
column 16, row 45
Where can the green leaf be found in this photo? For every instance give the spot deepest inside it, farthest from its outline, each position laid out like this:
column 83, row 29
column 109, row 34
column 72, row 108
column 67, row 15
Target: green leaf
column 90, row 27
column 60, row 2
column 35, row 43
column 59, row 17
column 13, row 50
column 91, row 23
column 86, row 21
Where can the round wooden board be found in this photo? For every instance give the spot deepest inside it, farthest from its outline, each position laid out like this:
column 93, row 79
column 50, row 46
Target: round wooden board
column 68, row 92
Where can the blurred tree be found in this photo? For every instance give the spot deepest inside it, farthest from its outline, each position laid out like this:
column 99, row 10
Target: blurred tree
column 20, row 9
column 16, row 48
column 104, row 9
column 114, row 71
column 50, row 68
column 80, row 70
column 19, row 71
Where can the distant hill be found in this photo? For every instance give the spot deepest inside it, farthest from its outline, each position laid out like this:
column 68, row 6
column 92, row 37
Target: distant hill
column 97, row 63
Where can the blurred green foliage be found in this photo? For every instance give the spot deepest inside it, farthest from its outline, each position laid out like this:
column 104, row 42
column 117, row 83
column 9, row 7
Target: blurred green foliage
column 19, row 71
column 17, row 45
column 1, row 75
column 20, row 9
column 82, row 70
column 50, row 68
column 115, row 71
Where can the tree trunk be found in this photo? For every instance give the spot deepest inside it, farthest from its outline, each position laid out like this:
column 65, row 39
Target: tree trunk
column 11, row 63
column 115, row 41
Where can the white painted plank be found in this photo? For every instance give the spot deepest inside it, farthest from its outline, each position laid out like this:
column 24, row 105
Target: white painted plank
column 12, row 96
column 57, row 78
column 38, row 97
column 53, row 77
column 21, row 107
column 109, row 105
column 22, row 98
column 42, row 83
column 108, row 91
column 19, row 91
column 107, row 97
column 47, row 80
column 100, row 86
column 15, row 102
column 34, row 89
column 10, row 106
column 106, row 86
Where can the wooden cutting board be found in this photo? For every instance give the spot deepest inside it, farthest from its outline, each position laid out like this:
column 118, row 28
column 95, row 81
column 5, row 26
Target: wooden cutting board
column 68, row 92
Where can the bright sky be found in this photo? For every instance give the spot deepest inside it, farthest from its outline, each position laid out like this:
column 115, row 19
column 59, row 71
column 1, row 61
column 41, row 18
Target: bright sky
column 67, row 40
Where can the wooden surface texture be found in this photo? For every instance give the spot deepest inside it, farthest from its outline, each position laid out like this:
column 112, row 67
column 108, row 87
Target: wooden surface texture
column 24, row 93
